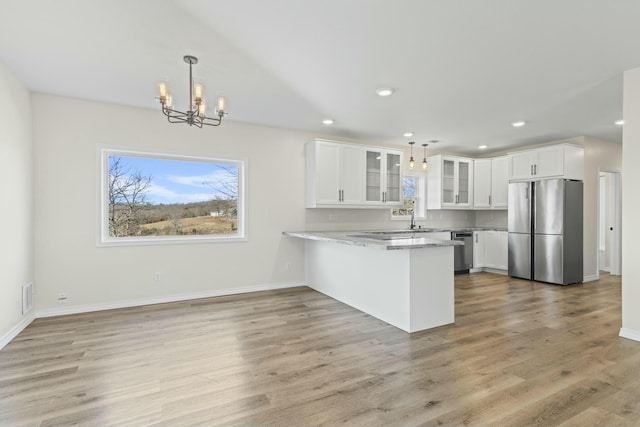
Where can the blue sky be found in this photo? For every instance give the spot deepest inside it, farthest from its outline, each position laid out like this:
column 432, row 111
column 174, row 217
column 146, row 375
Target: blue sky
column 179, row 181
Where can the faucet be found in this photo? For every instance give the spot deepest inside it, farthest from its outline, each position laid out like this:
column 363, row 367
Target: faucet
column 413, row 215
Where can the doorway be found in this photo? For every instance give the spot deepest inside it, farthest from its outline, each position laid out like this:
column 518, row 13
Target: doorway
column 609, row 222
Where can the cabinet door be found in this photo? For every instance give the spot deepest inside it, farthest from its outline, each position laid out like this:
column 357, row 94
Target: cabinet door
column 448, row 182
column 352, row 165
column 550, row 162
column 373, row 192
column 499, row 182
column 328, row 173
column 521, row 165
column 503, row 250
column 393, row 183
column 491, row 249
column 482, row 183
column 464, row 183
column 478, row 249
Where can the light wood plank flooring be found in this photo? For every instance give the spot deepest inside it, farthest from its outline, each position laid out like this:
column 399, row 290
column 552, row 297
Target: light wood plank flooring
column 520, row 353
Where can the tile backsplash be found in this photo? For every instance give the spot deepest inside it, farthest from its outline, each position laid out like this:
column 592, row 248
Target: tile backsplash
column 371, row 219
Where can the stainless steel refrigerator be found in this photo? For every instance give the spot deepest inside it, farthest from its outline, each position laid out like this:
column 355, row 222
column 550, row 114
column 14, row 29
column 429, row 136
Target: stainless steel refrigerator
column 545, row 230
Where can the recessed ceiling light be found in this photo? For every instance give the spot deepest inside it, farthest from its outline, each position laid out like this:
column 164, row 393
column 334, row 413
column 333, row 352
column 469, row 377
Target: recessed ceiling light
column 518, row 124
column 620, row 122
column 483, row 147
column 407, row 134
column 384, row 91
column 327, row 122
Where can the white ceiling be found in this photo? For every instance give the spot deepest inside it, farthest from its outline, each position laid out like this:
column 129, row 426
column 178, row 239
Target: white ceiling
column 463, row 70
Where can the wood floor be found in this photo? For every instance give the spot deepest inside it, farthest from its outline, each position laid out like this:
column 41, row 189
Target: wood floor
column 520, row 353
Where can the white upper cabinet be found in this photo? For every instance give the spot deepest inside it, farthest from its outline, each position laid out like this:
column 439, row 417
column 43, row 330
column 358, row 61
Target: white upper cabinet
column 499, row 182
column 556, row 161
column 449, row 182
column 350, row 175
column 383, row 183
column 482, row 183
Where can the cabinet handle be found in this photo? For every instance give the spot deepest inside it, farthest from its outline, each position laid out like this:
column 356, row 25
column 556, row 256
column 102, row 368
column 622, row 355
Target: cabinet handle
column 531, row 168
column 476, row 237
column 489, row 200
column 535, row 169
column 384, row 197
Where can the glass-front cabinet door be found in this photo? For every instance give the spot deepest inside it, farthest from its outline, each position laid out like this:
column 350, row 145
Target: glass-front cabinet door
column 374, row 176
column 464, row 182
column 448, row 181
column 393, row 179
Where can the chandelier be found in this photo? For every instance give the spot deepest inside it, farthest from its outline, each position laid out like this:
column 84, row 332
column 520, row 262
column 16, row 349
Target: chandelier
column 196, row 114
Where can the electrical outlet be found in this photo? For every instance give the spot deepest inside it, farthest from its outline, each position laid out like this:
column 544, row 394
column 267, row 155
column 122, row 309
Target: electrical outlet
column 287, row 265
column 332, row 217
column 156, row 276
column 62, row 298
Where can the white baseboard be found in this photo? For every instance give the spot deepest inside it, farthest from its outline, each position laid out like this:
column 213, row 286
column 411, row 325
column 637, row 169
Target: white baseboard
column 629, row 334
column 26, row 321
column 591, row 278
column 496, row 271
column 161, row 300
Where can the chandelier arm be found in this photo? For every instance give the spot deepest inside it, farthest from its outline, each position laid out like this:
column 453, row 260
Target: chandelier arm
column 171, row 119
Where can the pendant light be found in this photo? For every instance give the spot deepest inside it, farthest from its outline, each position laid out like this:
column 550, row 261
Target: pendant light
column 411, row 161
column 424, row 161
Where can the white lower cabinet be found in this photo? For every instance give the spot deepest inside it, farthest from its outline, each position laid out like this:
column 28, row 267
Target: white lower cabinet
column 490, row 249
column 478, row 249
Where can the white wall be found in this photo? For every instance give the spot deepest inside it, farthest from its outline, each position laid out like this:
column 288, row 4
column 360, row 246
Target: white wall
column 597, row 154
column 16, row 191
column 66, row 132
column 631, row 206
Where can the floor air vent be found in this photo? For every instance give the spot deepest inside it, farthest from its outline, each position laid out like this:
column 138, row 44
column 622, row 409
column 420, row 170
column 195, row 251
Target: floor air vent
column 27, row 297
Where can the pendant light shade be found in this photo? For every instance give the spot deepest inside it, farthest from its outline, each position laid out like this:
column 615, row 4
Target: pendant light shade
column 424, row 161
column 412, row 163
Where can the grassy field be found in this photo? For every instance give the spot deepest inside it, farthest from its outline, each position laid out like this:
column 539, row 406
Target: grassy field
column 196, row 225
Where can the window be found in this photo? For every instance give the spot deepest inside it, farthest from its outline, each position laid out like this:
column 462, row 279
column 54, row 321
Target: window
column 413, row 191
column 148, row 198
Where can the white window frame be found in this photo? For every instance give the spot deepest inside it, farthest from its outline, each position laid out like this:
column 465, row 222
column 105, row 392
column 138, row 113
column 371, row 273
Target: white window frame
column 103, row 238
column 421, row 198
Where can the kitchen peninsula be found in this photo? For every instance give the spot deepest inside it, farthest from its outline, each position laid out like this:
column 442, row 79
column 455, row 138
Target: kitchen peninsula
column 402, row 278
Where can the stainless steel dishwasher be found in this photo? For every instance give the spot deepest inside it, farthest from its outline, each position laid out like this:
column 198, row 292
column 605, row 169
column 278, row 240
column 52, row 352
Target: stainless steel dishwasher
column 462, row 255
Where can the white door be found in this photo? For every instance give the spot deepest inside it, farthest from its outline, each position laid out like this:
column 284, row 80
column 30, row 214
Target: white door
column 352, row 175
column 328, row 173
column 482, row 183
column 499, row 182
column 550, row 162
column 478, row 249
column 521, row 165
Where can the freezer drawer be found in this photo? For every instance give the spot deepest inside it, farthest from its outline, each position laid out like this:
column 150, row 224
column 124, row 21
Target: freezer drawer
column 548, row 259
column 520, row 255
column 557, row 259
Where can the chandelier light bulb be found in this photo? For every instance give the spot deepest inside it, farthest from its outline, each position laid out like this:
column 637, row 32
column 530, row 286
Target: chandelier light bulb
column 222, row 106
column 198, row 90
column 163, row 88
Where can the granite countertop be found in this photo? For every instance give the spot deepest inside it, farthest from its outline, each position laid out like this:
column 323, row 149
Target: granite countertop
column 390, row 240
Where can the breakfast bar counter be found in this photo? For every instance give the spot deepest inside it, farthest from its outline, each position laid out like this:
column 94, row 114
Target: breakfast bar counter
column 399, row 277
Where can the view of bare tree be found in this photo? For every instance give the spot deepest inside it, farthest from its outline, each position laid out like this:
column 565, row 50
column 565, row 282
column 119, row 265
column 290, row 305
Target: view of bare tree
column 126, row 198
